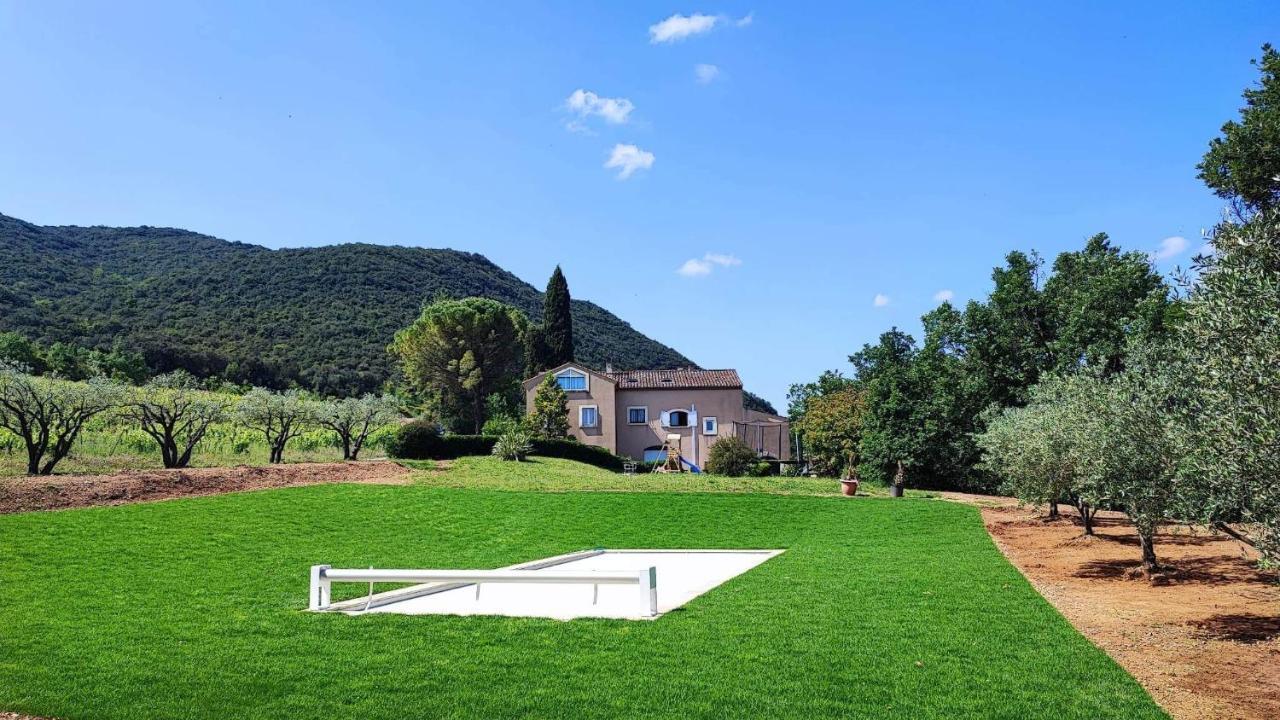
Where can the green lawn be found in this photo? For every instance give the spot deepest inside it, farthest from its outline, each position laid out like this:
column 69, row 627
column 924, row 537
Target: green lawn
column 194, row 608
column 556, row 475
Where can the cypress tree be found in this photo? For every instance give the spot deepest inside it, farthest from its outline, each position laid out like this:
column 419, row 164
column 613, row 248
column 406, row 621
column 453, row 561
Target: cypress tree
column 535, row 350
column 557, row 321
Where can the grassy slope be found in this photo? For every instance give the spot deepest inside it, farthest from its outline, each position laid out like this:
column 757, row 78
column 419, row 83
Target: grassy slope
column 556, row 475
column 191, row 608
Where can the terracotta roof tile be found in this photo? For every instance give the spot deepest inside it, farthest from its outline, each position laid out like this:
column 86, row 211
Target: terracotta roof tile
column 687, row 379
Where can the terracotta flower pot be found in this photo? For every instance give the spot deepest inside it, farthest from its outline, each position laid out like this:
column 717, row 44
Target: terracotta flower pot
column 849, row 487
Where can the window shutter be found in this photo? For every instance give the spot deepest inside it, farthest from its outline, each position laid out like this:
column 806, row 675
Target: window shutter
column 666, row 418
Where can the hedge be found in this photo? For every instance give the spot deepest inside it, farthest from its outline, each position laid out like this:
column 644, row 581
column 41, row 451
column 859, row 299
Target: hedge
column 422, row 441
column 572, row 450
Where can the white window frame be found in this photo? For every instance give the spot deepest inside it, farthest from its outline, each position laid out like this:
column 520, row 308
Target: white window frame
column 644, row 408
column 586, row 378
column 715, row 425
column 666, row 418
column 594, row 409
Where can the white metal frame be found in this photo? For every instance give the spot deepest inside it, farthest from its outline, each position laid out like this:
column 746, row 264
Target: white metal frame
column 435, row 581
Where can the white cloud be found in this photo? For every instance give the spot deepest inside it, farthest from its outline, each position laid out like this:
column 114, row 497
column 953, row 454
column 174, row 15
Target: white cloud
column 693, row 267
column 628, row 159
column 1170, row 247
column 943, row 296
column 746, row 20
column 678, row 27
column 579, row 127
column 722, row 260
column 880, row 300
column 697, row 267
column 586, row 103
column 705, row 73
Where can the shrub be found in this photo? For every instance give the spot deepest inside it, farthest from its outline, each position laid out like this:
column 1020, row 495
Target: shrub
column 138, row 441
column 380, row 438
column 432, row 445
column 313, row 440
column 574, row 450
column 8, row 442
column 731, row 456
column 416, row 440
column 456, row 446
column 499, row 425
column 512, row 445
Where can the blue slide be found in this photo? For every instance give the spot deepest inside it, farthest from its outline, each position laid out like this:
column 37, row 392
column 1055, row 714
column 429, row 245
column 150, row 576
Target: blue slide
column 692, row 467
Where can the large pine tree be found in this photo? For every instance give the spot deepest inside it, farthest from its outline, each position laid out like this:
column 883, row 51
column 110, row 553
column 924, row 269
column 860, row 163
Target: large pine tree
column 557, row 321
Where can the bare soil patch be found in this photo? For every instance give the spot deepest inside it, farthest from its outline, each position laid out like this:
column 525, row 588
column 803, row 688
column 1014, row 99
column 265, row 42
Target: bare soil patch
column 57, row 492
column 1203, row 636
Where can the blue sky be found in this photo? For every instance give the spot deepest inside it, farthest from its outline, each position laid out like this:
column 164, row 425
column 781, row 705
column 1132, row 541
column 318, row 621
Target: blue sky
column 836, row 152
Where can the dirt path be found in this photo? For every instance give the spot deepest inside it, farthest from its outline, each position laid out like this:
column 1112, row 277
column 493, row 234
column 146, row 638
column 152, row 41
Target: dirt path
column 1204, row 639
column 56, row 492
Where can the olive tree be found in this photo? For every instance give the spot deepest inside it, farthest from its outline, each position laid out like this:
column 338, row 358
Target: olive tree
column 1231, row 342
column 1130, row 444
column 280, row 417
column 176, row 414
column 1036, row 450
column 354, row 418
column 49, row 414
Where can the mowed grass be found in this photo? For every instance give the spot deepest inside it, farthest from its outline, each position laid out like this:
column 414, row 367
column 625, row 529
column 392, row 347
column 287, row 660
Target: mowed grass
column 195, row 608
column 556, row 475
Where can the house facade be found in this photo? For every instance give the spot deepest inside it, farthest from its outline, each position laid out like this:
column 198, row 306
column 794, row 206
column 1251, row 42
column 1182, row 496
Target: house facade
column 632, row 412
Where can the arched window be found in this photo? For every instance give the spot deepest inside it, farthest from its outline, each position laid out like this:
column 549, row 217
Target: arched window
column 678, row 419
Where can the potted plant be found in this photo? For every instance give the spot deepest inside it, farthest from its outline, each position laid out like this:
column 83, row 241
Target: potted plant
column 849, row 483
column 899, row 479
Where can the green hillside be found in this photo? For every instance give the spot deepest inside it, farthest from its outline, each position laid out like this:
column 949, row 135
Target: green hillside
column 321, row 316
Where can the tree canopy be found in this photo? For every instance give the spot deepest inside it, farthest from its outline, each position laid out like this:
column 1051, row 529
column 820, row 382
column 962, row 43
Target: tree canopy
column 458, row 352
column 557, row 321
column 1243, row 164
column 320, row 317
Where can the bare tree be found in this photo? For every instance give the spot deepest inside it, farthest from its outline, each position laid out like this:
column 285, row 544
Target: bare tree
column 176, row 414
column 354, row 418
column 48, row 414
column 280, row 417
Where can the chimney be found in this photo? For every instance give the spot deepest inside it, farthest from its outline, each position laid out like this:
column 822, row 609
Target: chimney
column 608, row 367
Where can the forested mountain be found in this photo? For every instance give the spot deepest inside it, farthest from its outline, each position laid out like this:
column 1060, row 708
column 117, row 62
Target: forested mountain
column 319, row 316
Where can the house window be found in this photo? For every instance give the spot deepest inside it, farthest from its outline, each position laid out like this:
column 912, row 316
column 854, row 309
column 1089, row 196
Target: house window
column 677, row 419
column 572, row 381
column 710, row 426
column 588, row 417
column 637, row 415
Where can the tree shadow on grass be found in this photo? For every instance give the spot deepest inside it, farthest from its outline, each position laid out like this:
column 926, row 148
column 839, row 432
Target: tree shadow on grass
column 1238, row 627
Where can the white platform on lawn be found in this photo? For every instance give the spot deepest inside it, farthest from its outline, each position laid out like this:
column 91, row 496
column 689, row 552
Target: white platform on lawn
column 682, row 576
